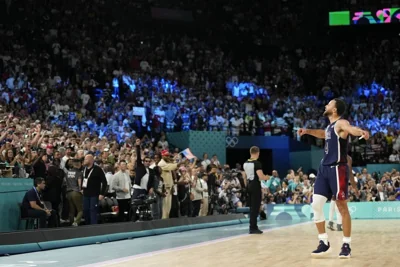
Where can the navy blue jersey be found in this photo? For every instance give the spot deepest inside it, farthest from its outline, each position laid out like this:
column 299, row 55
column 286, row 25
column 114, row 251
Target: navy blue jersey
column 335, row 147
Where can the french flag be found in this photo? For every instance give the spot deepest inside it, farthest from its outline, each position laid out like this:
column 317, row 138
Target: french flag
column 188, row 154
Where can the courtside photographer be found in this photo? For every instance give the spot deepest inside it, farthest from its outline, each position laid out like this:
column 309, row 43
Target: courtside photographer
column 230, row 191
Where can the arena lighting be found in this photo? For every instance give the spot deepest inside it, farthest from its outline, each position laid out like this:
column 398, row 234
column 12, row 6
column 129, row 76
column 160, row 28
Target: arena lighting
column 365, row 17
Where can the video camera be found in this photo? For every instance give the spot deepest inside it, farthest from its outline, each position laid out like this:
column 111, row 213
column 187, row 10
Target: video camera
column 142, row 206
column 143, row 200
column 230, row 191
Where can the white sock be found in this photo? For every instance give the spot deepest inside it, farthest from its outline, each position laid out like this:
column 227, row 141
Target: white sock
column 323, row 237
column 347, row 240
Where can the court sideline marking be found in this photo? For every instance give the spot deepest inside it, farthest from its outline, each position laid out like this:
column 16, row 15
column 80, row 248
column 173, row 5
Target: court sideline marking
column 175, row 249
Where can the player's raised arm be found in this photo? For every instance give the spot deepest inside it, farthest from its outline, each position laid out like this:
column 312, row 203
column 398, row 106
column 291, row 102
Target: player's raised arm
column 344, row 125
column 318, row 133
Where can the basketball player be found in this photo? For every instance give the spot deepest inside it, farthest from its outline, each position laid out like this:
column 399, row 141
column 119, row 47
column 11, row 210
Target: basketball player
column 333, row 207
column 333, row 173
column 254, row 175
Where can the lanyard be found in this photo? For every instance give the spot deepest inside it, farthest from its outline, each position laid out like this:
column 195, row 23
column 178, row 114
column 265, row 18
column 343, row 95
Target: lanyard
column 37, row 194
column 90, row 173
column 40, row 200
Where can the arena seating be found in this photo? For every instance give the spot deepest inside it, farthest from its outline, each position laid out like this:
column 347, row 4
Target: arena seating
column 74, row 74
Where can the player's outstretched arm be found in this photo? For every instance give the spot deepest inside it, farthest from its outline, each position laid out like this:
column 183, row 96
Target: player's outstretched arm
column 344, row 125
column 318, row 133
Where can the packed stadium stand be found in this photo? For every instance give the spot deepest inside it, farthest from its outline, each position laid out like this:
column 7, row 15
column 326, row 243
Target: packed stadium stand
column 90, row 77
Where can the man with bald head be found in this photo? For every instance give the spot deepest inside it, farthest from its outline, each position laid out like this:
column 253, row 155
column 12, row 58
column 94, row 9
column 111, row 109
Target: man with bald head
column 94, row 185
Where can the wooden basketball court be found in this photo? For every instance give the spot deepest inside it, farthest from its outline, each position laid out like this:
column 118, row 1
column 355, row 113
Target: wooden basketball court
column 374, row 243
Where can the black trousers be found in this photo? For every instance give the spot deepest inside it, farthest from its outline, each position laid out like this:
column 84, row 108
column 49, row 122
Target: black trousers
column 184, row 206
column 254, row 191
column 43, row 218
column 175, row 210
column 196, row 207
column 123, row 205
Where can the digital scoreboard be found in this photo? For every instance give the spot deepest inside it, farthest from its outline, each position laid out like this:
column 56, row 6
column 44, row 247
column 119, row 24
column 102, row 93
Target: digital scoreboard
column 378, row 16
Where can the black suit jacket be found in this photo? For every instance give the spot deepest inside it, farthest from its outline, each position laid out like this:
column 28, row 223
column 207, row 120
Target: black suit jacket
column 141, row 171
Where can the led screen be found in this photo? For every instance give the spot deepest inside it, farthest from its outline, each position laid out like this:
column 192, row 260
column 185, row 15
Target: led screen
column 379, row 16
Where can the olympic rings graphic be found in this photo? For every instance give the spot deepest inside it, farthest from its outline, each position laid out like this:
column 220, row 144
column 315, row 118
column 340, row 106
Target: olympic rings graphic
column 231, row 141
column 352, row 209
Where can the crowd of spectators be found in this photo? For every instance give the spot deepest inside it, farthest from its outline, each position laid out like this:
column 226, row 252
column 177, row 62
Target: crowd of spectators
column 297, row 187
column 84, row 76
column 121, row 81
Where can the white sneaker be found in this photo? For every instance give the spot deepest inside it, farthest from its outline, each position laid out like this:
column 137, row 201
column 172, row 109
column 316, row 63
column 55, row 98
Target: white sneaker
column 75, row 224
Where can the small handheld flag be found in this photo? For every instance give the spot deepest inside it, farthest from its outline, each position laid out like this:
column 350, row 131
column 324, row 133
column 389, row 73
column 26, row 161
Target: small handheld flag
column 188, row 154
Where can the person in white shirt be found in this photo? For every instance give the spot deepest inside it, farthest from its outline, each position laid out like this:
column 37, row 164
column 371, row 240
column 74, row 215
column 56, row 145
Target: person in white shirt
column 163, row 143
column 213, row 123
column 394, row 157
column 108, row 169
column 205, row 161
column 67, row 156
column 215, row 161
column 85, row 99
column 204, row 204
column 236, row 124
column 122, row 185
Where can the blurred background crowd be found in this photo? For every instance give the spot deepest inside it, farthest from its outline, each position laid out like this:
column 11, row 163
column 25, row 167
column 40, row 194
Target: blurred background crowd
column 90, row 77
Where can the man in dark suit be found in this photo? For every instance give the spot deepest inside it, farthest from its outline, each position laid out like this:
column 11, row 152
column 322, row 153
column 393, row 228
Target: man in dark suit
column 212, row 184
column 34, row 207
column 94, row 184
column 144, row 180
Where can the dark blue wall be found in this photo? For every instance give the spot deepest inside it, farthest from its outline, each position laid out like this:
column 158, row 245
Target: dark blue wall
column 296, row 146
column 278, row 144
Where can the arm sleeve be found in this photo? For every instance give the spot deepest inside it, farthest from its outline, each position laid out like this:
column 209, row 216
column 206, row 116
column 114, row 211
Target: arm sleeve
column 31, row 196
column 257, row 166
column 115, row 183
column 170, row 167
column 103, row 179
column 138, row 156
column 199, row 188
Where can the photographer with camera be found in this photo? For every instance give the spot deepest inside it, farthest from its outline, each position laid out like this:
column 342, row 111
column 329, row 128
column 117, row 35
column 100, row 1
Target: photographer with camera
column 297, row 196
column 230, row 190
column 144, row 179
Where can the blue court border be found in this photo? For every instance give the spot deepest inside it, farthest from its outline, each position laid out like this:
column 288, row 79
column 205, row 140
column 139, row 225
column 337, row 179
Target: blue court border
column 42, row 246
